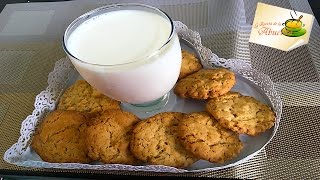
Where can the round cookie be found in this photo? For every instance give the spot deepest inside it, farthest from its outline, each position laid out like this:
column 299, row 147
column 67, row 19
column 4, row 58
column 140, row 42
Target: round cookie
column 60, row 138
column 81, row 96
column 108, row 137
column 242, row 114
column 202, row 135
column 155, row 141
column 190, row 64
column 206, row 83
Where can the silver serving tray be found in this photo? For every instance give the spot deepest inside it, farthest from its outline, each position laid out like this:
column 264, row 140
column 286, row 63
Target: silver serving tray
column 248, row 82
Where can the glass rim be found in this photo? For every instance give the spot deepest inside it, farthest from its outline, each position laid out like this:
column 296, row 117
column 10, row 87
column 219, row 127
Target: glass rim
column 114, row 6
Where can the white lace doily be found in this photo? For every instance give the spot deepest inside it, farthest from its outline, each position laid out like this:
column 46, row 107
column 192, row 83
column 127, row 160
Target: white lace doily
column 58, row 79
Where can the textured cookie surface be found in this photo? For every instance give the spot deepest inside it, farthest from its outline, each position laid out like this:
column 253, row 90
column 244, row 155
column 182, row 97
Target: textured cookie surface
column 60, row 138
column 155, row 141
column 242, row 114
column 201, row 134
column 81, row 96
column 108, row 137
column 206, row 83
column 190, row 64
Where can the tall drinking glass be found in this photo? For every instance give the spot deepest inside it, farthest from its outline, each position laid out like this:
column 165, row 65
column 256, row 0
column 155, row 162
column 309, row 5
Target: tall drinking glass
column 129, row 52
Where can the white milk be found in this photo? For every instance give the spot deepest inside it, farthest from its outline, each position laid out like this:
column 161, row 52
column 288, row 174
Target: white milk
column 120, row 42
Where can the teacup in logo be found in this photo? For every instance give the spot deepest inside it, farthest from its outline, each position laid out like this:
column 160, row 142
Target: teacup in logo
column 294, row 27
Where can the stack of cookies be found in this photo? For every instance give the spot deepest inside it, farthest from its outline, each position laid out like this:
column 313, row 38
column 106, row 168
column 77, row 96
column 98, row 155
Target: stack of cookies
column 177, row 139
column 88, row 126
column 241, row 114
column 232, row 112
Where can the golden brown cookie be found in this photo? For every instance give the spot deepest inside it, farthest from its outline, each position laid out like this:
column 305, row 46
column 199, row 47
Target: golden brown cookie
column 242, row 114
column 60, row 138
column 206, row 83
column 155, row 141
column 81, row 96
column 190, row 64
column 108, row 137
column 202, row 135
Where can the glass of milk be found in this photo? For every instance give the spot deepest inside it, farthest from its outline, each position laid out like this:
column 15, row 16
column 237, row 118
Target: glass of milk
column 129, row 52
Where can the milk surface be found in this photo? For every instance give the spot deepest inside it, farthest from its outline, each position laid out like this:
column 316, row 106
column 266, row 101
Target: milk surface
column 119, row 37
column 122, row 40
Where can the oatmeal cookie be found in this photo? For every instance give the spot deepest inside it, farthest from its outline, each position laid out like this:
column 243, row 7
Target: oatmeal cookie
column 201, row 134
column 108, row 137
column 190, row 64
column 242, row 114
column 206, row 83
column 60, row 138
column 81, row 96
column 155, row 141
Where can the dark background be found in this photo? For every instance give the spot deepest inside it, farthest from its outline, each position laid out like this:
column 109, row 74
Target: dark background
column 315, row 5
